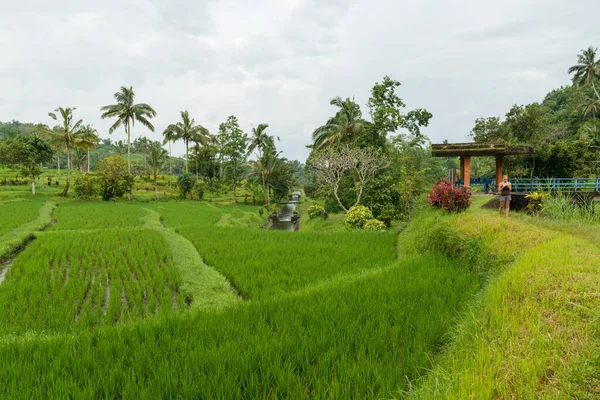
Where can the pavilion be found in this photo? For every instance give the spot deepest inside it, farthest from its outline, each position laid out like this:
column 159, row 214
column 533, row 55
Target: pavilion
column 467, row 150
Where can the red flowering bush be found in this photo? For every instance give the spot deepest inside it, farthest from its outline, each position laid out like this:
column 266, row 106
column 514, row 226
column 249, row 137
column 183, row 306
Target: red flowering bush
column 445, row 195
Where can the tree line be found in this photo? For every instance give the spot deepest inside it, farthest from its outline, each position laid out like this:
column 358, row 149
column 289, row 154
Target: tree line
column 221, row 159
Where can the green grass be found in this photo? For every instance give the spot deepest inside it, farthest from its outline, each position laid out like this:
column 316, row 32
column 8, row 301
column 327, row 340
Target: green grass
column 98, row 215
column 13, row 239
column 85, row 279
column 14, row 214
column 456, row 306
column 536, row 322
column 362, row 338
column 265, row 263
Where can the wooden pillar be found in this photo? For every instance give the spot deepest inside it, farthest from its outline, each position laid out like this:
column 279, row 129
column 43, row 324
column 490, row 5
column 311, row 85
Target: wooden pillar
column 498, row 171
column 462, row 168
column 467, row 174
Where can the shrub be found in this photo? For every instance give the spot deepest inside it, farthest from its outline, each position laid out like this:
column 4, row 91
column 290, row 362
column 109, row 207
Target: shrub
column 374, row 225
column 86, row 186
column 444, row 195
column 317, row 211
column 357, row 216
column 186, row 183
column 385, row 213
column 199, row 189
column 115, row 179
column 536, row 200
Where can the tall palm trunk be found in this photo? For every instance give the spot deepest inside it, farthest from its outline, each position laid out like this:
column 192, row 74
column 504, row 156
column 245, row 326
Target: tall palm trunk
column 88, row 160
column 262, row 174
column 58, row 162
column 66, row 189
column 128, row 147
column 186, row 156
column 170, row 165
column 128, row 155
column 268, row 197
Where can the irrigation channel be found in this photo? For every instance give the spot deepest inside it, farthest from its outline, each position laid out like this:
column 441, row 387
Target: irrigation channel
column 286, row 220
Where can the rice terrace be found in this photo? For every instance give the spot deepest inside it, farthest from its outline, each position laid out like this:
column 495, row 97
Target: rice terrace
column 193, row 263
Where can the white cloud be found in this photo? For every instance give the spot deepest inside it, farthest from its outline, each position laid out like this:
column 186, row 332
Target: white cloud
column 281, row 61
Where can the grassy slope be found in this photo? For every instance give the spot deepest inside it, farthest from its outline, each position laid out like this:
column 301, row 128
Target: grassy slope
column 534, row 330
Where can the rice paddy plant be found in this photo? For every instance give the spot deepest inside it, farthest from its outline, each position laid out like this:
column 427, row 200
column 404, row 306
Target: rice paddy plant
column 14, row 214
column 65, row 281
column 265, row 263
column 368, row 337
column 98, row 215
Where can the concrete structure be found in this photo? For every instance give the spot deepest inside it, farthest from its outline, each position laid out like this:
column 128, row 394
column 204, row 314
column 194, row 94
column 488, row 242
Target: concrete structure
column 467, row 150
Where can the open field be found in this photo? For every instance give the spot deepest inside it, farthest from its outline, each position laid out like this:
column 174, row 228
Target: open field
column 180, row 299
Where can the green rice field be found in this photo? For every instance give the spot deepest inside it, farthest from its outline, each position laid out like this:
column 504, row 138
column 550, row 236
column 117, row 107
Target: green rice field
column 193, row 300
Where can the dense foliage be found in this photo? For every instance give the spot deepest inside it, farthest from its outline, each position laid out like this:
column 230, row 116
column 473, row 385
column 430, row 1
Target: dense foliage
column 115, row 179
column 316, row 211
column 357, row 216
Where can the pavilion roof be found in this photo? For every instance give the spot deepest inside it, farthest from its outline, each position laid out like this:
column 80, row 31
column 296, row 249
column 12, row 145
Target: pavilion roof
column 477, row 149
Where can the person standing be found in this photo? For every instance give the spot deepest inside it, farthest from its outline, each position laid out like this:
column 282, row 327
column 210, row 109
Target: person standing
column 504, row 188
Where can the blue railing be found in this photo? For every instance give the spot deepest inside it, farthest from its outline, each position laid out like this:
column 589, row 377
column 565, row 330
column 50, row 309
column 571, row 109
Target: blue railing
column 546, row 184
column 556, row 184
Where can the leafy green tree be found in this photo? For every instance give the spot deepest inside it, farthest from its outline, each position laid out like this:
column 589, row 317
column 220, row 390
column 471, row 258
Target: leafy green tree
column 114, row 177
column 66, row 135
column 488, row 130
column 234, row 151
column 344, row 127
column 188, row 131
column 157, row 156
column 385, row 109
column 127, row 113
column 28, row 152
column 186, row 182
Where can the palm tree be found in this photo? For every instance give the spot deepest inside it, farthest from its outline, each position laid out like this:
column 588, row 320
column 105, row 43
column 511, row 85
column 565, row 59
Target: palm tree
column 89, row 137
column 345, row 126
column 66, row 135
column 156, row 159
column 266, row 165
column 588, row 68
column 188, row 131
column 169, row 137
column 257, row 139
column 127, row 113
column 119, row 148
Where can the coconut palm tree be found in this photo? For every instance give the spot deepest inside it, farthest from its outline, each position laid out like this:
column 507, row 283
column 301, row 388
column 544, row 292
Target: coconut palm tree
column 157, row 156
column 127, row 113
column 345, row 126
column 89, row 140
column 169, row 137
column 588, row 68
column 119, row 148
column 188, row 131
column 257, row 139
column 66, row 135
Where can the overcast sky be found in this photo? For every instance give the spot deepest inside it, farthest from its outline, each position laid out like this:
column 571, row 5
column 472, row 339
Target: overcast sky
column 281, row 61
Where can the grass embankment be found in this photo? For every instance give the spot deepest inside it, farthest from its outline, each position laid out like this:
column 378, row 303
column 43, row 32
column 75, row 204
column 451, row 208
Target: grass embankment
column 534, row 331
column 19, row 222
